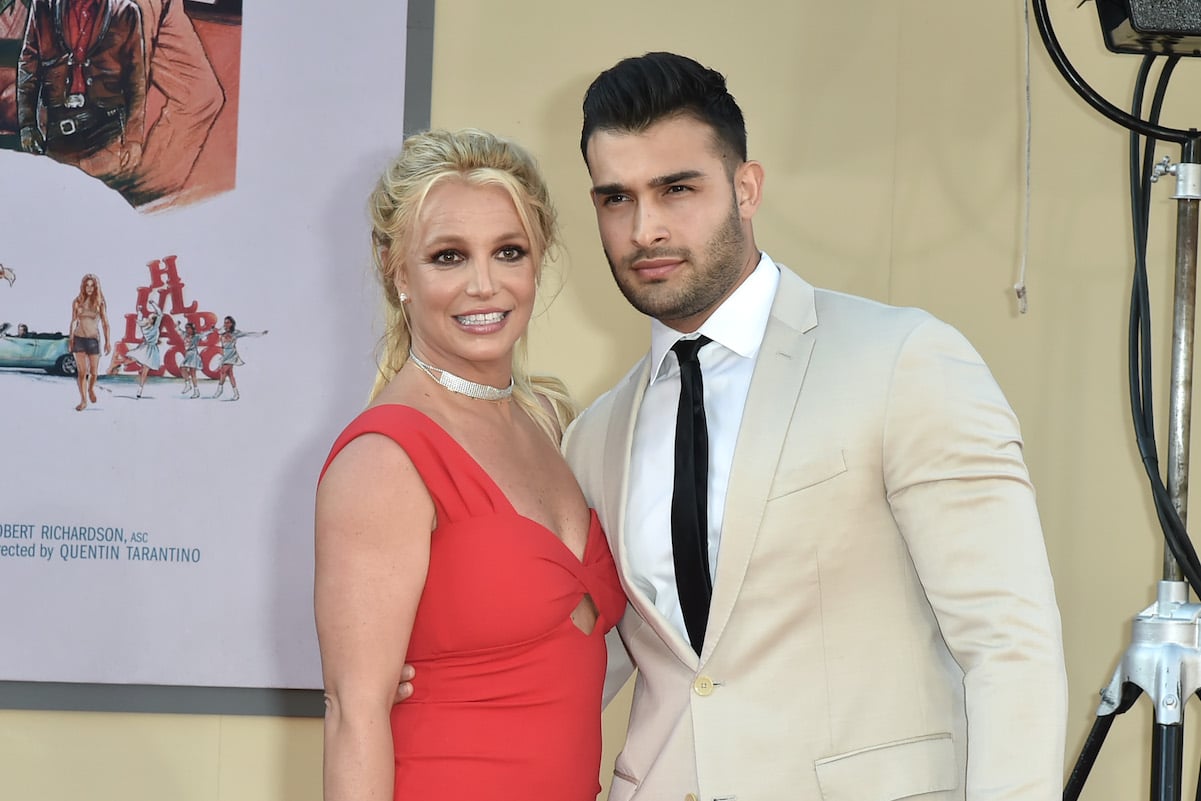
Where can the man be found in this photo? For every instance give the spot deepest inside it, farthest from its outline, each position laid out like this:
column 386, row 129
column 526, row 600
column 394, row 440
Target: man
column 837, row 579
column 12, row 32
column 193, row 98
column 81, row 85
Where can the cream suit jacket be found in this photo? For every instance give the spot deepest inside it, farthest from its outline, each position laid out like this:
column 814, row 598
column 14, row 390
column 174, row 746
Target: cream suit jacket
column 883, row 622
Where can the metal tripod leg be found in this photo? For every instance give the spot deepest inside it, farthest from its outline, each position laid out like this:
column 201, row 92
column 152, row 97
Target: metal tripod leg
column 1094, row 741
column 1167, row 758
column 1163, row 661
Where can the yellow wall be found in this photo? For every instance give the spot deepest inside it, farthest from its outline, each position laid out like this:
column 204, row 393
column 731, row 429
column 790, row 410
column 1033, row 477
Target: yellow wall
column 891, row 134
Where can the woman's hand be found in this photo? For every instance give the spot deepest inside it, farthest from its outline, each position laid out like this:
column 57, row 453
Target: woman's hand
column 405, row 688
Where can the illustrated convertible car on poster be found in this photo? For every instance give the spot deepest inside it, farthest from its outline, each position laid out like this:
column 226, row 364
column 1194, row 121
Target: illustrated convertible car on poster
column 37, row 352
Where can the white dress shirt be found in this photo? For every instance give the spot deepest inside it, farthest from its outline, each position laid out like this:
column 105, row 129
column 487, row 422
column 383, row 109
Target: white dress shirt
column 736, row 328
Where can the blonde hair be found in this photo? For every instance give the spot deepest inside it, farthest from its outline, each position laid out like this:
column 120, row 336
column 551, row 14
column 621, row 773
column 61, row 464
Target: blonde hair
column 478, row 158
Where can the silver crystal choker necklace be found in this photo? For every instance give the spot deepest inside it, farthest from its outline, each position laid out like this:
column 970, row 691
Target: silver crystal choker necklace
column 461, row 385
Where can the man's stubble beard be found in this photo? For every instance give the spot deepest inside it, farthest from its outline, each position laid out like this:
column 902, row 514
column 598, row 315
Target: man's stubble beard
column 710, row 280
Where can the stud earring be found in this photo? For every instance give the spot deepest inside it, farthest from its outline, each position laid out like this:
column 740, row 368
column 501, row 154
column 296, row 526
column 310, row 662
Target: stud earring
column 404, row 298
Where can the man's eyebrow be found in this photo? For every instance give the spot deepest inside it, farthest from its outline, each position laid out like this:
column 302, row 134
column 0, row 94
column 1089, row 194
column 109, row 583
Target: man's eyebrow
column 677, row 177
column 660, row 181
column 609, row 189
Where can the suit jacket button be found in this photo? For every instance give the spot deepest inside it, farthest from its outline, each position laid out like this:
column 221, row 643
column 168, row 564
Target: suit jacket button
column 703, row 686
column 690, row 797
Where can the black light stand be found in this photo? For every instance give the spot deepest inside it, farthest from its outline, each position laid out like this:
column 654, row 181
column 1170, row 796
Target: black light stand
column 1164, row 657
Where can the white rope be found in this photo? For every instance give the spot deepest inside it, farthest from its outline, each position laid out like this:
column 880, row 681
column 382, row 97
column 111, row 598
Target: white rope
column 1019, row 288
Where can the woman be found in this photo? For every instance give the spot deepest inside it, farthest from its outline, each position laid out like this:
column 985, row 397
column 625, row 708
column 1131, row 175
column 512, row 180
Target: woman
column 449, row 530
column 89, row 316
column 192, row 361
column 228, row 337
column 148, row 356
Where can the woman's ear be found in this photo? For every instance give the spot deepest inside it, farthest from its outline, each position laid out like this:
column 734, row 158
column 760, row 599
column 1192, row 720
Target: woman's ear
column 400, row 278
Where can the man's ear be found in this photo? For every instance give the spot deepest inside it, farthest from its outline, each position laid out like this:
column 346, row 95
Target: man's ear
column 748, row 188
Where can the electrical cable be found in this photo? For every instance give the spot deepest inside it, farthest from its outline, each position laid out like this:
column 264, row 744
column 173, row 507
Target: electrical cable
column 1175, row 535
column 1140, row 352
column 1143, row 658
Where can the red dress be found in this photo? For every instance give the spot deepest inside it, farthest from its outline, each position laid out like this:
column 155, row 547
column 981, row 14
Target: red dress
column 507, row 700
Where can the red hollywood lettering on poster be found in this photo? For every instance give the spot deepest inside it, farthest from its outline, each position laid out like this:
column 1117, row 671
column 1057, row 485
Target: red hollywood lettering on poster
column 166, row 287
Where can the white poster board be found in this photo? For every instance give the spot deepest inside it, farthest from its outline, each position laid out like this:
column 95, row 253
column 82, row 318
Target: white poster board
column 167, row 539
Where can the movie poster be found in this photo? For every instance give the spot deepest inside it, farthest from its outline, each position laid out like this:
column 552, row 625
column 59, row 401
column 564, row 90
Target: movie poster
column 187, row 320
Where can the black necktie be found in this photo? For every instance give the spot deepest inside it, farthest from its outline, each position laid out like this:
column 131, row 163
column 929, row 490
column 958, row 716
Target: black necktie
column 690, row 495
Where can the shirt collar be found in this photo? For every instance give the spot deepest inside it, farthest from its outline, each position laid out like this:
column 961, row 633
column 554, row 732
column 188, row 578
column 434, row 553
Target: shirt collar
column 737, row 324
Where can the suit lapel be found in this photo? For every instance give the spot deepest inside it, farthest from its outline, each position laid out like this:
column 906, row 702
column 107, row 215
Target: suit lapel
column 775, row 386
column 619, row 439
column 619, row 443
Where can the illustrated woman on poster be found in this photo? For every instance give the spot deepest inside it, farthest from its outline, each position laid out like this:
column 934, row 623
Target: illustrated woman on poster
column 89, row 316
column 191, row 360
column 147, row 354
column 230, row 359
